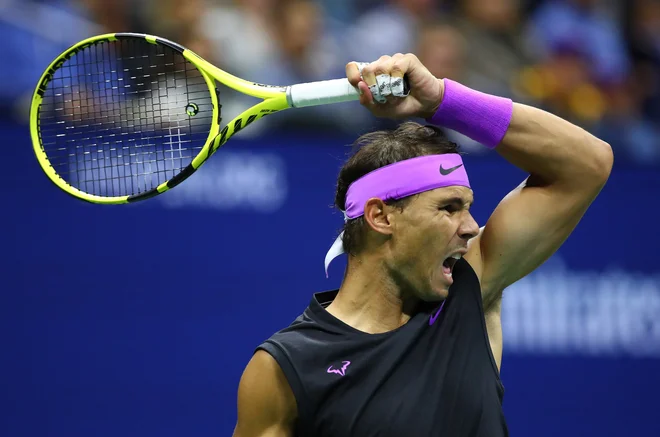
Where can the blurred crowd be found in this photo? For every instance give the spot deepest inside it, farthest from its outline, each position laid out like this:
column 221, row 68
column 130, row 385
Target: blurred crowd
column 594, row 62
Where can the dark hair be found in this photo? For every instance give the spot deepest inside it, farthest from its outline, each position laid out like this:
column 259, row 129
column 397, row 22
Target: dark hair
column 378, row 149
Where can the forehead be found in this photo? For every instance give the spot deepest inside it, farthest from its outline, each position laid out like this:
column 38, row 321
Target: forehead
column 465, row 194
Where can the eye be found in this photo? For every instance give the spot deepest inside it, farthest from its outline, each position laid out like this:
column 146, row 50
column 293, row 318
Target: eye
column 449, row 208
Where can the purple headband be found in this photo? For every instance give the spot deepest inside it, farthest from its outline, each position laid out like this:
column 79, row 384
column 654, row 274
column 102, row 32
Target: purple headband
column 405, row 178
column 399, row 180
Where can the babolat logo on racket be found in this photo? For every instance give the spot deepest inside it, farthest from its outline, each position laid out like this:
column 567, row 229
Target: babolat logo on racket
column 41, row 88
column 192, row 109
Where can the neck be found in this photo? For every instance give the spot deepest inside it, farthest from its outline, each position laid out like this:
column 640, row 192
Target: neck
column 369, row 300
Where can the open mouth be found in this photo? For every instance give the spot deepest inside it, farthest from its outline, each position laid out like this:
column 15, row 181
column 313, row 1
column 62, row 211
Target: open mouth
column 449, row 263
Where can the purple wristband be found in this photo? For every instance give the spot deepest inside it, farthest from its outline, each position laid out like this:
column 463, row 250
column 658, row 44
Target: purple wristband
column 482, row 117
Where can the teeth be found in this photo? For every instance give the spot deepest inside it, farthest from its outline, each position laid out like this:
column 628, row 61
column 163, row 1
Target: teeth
column 457, row 256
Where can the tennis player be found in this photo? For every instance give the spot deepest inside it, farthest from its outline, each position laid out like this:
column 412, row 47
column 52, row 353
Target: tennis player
column 411, row 343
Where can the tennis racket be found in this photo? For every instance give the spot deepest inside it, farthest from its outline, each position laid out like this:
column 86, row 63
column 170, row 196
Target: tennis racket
column 123, row 117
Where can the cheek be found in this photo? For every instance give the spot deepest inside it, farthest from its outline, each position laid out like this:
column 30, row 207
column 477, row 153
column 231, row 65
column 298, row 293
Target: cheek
column 440, row 233
column 428, row 241
column 410, row 247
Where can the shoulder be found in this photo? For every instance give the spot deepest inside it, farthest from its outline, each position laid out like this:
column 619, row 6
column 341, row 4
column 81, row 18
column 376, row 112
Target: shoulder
column 294, row 348
column 263, row 378
column 265, row 399
column 263, row 370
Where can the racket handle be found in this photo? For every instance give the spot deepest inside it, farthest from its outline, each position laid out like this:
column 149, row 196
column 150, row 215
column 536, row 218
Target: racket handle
column 323, row 92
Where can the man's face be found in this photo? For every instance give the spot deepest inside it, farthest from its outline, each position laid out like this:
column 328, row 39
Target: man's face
column 431, row 231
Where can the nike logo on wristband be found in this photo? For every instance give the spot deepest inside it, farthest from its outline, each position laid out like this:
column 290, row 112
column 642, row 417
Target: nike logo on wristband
column 446, row 171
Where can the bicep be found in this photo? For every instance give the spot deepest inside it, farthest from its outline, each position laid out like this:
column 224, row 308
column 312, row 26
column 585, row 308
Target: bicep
column 526, row 228
column 266, row 404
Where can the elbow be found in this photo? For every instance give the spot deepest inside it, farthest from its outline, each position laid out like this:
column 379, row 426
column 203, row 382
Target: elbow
column 605, row 159
column 601, row 160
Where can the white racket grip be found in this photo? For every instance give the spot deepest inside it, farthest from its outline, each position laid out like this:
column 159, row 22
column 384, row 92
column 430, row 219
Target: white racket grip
column 323, row 92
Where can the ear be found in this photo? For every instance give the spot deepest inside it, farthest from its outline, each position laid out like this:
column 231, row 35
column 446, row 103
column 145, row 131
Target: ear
column 376, row 214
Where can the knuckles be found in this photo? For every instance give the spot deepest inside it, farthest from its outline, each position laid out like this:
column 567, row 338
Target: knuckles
column 397, row 67
column 386, row 63
column 398, row 63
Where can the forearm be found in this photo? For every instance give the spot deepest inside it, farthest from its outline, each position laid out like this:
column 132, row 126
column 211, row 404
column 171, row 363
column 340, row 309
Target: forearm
column 553, row 150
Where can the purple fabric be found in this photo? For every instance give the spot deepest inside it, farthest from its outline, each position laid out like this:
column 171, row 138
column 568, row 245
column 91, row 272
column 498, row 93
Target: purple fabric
column 405, row 178
column 482, row 117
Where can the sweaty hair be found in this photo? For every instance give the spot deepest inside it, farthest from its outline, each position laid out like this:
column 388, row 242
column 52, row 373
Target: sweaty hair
column 378, row 149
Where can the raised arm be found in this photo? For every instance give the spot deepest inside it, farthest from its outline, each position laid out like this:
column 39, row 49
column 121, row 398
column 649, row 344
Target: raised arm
column 266, row 405
column 567, row 168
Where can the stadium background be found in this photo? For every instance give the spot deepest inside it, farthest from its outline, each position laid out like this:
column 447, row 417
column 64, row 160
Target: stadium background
column 138, row 320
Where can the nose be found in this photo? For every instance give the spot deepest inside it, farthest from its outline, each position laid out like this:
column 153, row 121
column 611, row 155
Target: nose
column 469, row 227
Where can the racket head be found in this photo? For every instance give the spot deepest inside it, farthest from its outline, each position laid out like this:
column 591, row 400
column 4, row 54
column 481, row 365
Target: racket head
column 124, row 117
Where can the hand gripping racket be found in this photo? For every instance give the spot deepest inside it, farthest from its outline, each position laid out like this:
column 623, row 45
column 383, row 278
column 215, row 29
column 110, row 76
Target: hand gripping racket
column 124, row 117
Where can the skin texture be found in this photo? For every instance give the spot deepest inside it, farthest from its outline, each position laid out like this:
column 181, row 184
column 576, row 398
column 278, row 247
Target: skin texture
column 402, row 264
column 266, row 405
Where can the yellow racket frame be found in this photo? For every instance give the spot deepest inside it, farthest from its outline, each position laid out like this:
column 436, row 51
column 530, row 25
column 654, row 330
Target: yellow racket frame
column 274, row 99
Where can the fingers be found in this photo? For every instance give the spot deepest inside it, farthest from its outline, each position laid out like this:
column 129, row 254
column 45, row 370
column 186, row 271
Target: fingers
column 376, row 76
column 382, row 79
column 366, row 98
column 383, row 83
column 354, row 75
column 400, row 66
column 353, row 72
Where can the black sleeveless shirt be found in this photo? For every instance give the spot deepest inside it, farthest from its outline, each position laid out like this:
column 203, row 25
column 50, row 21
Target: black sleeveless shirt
column 433, row 376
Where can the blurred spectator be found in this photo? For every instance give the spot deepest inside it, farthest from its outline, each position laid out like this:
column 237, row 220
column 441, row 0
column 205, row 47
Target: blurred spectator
column 643, row 32
column 563, row 82
column 180, row 21
column 495, row 51
column 306, row 52
column 34, row 32
column 626, row 128
column 388, row 29
column 582, row 58
column 587, row 75
column 443, row 49
column 595, row 62
column 240, row 34
column 293, row 46
column 589, row 26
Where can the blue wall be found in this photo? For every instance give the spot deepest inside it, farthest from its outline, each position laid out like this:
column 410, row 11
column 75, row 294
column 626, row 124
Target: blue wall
column 138, row 320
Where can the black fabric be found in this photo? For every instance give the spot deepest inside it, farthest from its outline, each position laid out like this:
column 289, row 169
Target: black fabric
column 421, row 379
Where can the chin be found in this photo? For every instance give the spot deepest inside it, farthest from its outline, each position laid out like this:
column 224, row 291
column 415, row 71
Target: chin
column 436, row 294
column 442, row 294
column 439, row 288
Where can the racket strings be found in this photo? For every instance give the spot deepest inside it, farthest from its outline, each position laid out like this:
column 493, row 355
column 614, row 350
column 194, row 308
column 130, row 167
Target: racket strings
column 123, row 117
